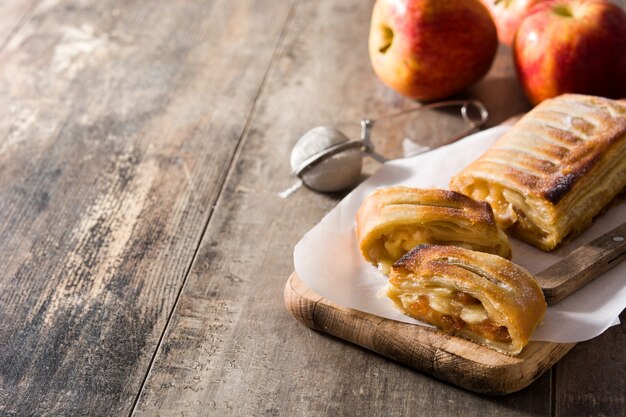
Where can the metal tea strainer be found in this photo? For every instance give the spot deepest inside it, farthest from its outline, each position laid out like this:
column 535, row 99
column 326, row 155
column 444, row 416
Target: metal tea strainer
column 325, row 160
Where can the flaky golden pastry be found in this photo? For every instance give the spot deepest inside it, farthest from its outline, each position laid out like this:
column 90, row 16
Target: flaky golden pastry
column 392, row 221
column 549, row 176
column 479, row 296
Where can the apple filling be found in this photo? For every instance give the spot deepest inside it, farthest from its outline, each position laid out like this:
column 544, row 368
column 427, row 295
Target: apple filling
column 510, row 207
column 392, row 246
column 494, row 195
column 455, row 312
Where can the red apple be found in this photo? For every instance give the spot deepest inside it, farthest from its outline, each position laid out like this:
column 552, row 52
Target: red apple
column 572, row 46
column 508, row 14
column 431, row 49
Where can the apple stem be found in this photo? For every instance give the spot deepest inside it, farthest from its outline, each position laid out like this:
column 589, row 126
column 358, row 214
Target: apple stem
column 563, row 10
column 507, row 3
column 387, row 38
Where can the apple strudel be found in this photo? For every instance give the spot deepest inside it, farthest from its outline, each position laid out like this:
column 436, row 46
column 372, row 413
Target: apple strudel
column 475, row 295
column 392, row 221
column 549, row 176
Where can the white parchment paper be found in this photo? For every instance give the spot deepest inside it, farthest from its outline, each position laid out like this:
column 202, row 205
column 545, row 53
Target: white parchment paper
column 328, row 260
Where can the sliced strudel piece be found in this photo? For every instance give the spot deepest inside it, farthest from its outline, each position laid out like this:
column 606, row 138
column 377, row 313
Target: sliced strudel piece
column 549, row 176
column 392, row 221
column 479, row 296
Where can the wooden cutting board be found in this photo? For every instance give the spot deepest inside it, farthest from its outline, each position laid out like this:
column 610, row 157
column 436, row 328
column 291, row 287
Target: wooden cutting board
column 451, row 358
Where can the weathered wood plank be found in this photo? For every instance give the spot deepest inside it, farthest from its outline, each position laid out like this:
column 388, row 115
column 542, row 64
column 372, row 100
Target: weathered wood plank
column 591, row 379
column 231, row 347
column 583, row 265
column 448, row 358
column 122, row 121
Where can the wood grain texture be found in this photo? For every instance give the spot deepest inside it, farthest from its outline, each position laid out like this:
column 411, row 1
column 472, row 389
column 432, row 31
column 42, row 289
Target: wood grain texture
column 121, row 121
column 590, row 380
column 435, row 353
column 13, row 15
column 231, row 347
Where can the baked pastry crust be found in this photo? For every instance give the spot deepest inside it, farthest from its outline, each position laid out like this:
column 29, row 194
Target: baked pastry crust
column 392, row 221
column 482, row 297
column 548, row 177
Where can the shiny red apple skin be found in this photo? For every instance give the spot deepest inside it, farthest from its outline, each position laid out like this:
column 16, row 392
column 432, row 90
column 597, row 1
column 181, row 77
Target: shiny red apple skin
column 438, row 48
column 507, row 15
column 583, row 53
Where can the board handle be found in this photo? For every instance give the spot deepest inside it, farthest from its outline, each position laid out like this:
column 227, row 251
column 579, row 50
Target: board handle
column 583, row 265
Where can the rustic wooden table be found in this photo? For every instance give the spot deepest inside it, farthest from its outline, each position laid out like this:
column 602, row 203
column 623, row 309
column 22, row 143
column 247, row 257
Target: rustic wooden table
column 143, row 245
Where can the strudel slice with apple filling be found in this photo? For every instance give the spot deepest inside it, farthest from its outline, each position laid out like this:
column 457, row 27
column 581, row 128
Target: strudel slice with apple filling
column 549, row 176
column 392, row 221
column 479, row 296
